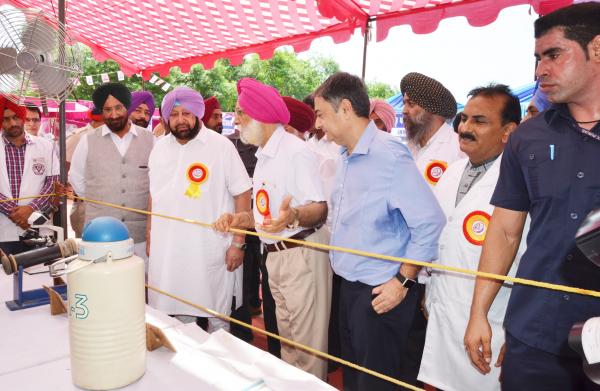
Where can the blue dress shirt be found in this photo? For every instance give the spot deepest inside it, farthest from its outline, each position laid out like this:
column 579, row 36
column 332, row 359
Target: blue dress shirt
column 382, row 204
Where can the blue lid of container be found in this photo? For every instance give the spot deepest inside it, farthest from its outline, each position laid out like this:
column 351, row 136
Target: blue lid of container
column 105, row 229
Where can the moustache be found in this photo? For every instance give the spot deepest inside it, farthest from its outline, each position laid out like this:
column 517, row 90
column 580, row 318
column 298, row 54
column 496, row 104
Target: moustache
column 467, row 136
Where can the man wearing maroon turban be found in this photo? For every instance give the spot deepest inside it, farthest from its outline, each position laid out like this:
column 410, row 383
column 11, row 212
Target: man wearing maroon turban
column 213, row 116
column 302, row 117
column 289, row 202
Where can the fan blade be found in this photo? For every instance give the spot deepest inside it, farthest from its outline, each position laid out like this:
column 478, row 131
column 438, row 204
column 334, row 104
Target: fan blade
column 53, row 81
column 8, row 61
column 39, row 35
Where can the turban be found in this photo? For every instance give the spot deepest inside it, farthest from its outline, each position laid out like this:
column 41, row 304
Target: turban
column 210, row 105
column 262, row 102
column 117, row 90
column 302, row 117
column 429, row 93
column 5, row 103
column 139, row 97
column 385, row 111
column 183, row 96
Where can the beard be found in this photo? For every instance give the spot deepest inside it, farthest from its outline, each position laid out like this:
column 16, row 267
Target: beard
column 15, row 131
column 116, row 124
column 252, row 133
column 141, row 122
column 184, row 131
column 417, row 127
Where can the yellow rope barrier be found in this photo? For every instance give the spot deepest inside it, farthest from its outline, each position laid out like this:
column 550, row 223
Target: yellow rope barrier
column 232, row 320
column 27, row 198
column 289, row 341
column 522, row 281
column 327, row 247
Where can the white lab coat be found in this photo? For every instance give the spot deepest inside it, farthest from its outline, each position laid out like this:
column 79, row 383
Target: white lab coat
column 445, row 363
column 442, row 149
column 188, row 260
column 40, row 162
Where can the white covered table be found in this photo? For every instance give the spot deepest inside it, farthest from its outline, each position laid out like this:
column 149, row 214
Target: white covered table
column 34, row 355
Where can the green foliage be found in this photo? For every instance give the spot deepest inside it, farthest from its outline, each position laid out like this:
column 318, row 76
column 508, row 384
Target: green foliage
column 381, row 90
column 285, row 71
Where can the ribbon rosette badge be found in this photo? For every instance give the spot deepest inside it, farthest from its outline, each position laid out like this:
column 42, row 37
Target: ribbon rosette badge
column 197, row 174
column 262, row 203
column 475, row 227
column 435, row 170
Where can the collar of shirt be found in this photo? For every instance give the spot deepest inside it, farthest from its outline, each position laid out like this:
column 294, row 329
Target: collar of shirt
column 132, row 130
column 364, row 142
column 271, row 147
column 484, row 165
column 558, row 113
column 28, row 140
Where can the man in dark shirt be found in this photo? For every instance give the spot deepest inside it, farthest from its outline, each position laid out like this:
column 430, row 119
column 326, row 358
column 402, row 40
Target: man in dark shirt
column 550, row 169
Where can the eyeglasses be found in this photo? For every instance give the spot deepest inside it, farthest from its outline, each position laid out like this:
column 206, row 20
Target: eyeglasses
column 34, row 120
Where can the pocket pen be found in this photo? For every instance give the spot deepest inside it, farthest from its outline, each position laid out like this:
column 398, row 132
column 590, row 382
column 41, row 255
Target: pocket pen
column 551, row 151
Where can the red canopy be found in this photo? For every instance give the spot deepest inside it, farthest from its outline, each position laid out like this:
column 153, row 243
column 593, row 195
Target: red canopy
column 146, row 36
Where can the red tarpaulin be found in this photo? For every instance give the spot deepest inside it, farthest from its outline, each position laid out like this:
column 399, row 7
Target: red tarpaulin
column 146, row 36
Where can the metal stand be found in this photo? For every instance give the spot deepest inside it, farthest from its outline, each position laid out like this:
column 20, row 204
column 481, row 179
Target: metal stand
column 32, row 298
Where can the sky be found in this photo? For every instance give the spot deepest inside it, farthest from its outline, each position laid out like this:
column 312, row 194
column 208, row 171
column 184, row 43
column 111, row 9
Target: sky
column 458, row 55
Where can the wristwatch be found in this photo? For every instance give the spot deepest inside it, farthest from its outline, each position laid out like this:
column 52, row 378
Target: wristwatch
column 241, row 246
column 406, row 282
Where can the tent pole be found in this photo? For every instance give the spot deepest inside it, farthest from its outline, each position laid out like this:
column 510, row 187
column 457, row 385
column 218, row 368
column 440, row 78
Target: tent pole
column 365, row 45
column 62, row 134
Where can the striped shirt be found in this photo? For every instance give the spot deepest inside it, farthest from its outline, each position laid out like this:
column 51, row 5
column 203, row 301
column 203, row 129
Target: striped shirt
column 15, row 163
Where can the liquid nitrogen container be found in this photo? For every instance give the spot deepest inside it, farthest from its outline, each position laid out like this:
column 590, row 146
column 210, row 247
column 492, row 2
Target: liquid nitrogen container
column 107, row 330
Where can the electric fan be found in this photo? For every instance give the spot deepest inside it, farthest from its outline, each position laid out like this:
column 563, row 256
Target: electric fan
column 37, row 57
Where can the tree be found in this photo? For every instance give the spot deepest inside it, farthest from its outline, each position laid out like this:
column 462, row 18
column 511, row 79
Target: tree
column 380, row 90
column 291, row 75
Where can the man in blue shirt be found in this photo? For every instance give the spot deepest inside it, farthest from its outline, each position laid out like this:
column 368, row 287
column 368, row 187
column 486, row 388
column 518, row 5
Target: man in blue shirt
column 550, row 169
column 380, row 203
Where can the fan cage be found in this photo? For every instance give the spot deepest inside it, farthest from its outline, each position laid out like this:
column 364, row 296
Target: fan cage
column 38, row 58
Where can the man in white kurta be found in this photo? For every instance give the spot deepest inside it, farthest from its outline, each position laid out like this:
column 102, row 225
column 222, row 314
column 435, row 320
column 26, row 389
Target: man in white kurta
column 464, row 194
column 198, row 177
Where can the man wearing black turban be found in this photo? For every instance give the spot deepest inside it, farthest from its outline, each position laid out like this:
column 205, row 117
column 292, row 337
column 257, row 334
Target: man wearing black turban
column 111, row 163
column 116, row 97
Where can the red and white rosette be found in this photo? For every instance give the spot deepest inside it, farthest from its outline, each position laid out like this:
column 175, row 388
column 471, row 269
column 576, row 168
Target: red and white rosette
column 434, row 171
column 262, row 203
column 475, row 227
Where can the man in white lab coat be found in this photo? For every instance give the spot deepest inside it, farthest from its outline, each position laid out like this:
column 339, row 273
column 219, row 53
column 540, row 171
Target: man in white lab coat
column 464, row 193
column 28, row 168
